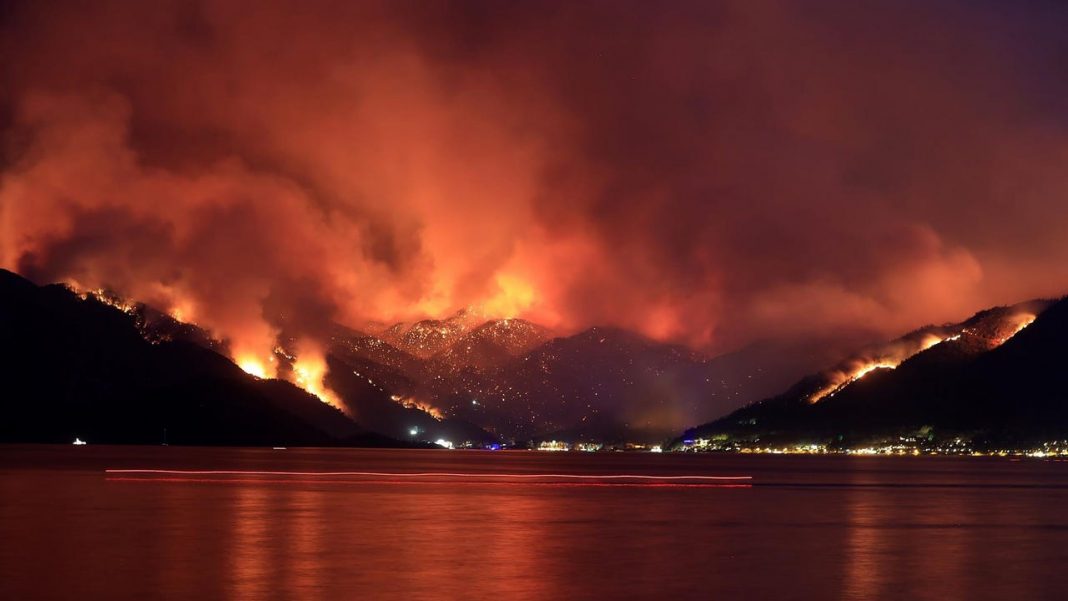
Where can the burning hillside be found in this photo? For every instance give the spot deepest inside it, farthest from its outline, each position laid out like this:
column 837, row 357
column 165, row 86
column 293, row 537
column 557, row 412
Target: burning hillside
column 386, row 166
column 885, row 357
column 988, row 330
column 304, row 365
column 990, row 378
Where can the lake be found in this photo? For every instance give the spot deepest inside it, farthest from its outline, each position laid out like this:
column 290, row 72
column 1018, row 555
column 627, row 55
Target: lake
column 525, row 525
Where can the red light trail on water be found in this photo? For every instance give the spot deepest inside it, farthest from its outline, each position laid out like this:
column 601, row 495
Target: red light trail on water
column 425, row 482
column 291, row 477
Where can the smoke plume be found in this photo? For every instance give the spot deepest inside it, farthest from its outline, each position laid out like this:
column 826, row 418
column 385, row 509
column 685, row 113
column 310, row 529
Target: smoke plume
column 705, row 172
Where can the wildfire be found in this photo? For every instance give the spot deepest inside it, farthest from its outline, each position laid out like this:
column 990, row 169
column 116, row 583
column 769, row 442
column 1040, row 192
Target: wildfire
column 514, row 296
column 253, row 366
column 309, row 373
column 183, row 312
column 889, row 358
column 102, row 296
column 1018, row 323
column 867, row 369
column 411, row 403
column 841, row 379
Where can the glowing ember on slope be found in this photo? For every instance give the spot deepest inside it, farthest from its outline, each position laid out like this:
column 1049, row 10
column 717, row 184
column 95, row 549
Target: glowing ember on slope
column 115, row 302
column 102, row 296
column 1018, row 323
column 993, row 335
column 410, row 403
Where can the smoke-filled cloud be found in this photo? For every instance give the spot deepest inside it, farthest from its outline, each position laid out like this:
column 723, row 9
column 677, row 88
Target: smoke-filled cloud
column 706, row 172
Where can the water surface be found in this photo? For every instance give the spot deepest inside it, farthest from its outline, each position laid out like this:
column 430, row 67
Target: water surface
column 808, row 527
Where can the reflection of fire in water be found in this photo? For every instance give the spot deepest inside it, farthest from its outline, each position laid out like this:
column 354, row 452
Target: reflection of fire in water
column 888, row 358
column 411, row 403
column 250, row 561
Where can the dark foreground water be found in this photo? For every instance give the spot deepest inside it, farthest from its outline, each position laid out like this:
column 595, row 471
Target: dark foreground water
column 807, row 528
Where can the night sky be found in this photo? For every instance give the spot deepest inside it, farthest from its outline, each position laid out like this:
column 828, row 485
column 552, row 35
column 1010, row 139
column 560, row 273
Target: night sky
column 711, row 173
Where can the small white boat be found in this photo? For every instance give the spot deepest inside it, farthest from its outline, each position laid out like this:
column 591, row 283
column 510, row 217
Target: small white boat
column 79, row 442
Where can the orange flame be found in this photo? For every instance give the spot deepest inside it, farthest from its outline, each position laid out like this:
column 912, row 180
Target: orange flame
column 101, row 296
column 309, row 373
column 1018, row 322
column 888, row 358
column 183, row 311
column 514, row 296
column 253, row 365
column 425, row 407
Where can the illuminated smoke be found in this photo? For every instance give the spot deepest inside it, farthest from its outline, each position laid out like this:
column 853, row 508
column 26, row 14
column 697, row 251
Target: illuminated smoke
column 251, row 351
column 715, row 174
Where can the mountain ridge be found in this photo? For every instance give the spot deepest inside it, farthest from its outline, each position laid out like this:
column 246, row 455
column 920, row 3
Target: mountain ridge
column 499, row 380
column 80, row 367
column 964, row 388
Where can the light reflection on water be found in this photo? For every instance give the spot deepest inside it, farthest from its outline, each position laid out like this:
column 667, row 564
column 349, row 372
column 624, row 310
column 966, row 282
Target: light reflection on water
column 254, row 511
column 306, row 530
column 810, row 527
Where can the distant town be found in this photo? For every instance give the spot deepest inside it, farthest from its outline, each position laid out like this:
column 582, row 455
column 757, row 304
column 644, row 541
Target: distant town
column 903, row 446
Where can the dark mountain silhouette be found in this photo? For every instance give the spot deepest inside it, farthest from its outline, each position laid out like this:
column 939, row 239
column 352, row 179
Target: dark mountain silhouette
column 99, row 367
column 508, row 377
column 384, row 398
column 393, row 412
column 81, row 367
column 996, row 379
column 610, row 385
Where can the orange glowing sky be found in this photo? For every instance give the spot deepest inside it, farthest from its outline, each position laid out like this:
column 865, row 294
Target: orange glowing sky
column 706, row 172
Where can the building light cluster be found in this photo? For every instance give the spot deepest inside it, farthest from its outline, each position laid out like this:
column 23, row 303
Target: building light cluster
column 903, row 445
column 593, row 447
